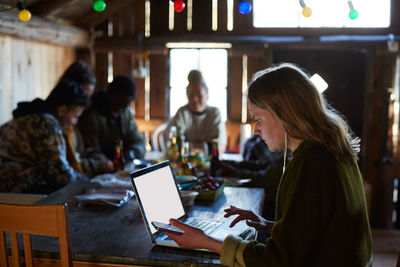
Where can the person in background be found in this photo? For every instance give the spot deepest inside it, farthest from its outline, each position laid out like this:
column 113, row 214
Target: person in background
column 261, row 166
column 81, row 159
column 321, row 217
column 256, row 158
column 110, row 120
column 32, row 147
column 198, row 122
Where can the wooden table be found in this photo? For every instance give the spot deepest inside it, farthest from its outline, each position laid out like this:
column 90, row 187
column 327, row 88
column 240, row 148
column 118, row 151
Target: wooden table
column 117, row 235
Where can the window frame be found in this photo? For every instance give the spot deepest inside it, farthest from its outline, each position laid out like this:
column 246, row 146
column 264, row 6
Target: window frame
column 226, row 111
column 243, row 26
column 295, row 7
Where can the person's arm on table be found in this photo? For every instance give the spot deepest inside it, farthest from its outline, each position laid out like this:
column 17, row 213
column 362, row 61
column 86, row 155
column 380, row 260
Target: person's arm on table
column 89, row 128
column 53, row 155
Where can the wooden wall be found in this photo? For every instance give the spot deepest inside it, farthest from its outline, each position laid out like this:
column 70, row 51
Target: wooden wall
column 28, row 69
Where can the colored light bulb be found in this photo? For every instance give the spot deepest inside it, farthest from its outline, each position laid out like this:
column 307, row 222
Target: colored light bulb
column 307, row 12
column 24, row 15
column 353, row 14
column 179, row 5
column 99, row 5
column 244, row 7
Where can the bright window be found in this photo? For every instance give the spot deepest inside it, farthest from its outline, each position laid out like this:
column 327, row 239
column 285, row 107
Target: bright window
column 213, row 63
column 325, row 13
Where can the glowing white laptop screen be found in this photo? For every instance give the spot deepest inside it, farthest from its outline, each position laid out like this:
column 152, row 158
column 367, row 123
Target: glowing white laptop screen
column 159, row 196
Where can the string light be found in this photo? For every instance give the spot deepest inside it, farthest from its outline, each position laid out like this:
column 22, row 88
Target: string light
column 307, row 12
column 353, row 14
column 99, row 5
column 179, row 5
column 24, row 14
column 244, row 7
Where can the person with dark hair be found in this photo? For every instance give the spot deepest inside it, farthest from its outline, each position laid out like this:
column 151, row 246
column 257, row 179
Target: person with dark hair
column 32, row 146
column 110, row 120
column 83, row 159
column 198, row 122
column 79, row 72
column 321, row 215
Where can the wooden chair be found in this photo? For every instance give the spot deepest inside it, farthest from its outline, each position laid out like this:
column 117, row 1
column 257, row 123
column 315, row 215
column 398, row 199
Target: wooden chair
column 233, row 136
column 147, row 128
column 157, row 139
column 45, row 220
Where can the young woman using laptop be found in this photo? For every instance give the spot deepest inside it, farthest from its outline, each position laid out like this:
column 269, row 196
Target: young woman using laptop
column 321, row 217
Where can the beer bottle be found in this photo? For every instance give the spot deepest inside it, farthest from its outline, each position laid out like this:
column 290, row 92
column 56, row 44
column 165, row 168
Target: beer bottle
column 172, row 150
column 179, row 142
column 214, row 161
column 118, row 157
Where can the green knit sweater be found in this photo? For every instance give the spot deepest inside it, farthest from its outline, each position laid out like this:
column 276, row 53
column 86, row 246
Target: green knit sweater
column 321, row 217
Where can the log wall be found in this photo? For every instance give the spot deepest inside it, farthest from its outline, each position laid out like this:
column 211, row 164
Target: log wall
column 28, row 70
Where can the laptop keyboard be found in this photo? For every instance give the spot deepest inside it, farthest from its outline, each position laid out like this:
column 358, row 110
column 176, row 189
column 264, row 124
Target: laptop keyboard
column 205, row 225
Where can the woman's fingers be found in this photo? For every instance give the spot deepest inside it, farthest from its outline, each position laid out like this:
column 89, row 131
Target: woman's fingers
column 236, row 220
column 244, row 216
column 232, row 210
column 179, row 224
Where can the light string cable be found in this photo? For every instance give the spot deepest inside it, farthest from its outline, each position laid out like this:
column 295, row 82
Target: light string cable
column 306, row 11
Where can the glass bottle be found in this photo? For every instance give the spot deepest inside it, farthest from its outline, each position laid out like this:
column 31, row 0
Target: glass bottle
column 179, row 141
column 185, row 153
column 214, row 161
column 172, row 150
column 118, row 156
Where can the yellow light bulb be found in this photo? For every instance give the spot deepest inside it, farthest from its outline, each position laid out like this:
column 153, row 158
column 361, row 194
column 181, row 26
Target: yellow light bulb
column 24, row 15
column 306, row 12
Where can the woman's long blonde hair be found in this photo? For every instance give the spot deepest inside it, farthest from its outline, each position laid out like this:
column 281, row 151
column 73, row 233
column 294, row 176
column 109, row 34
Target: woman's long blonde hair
column 286, row 91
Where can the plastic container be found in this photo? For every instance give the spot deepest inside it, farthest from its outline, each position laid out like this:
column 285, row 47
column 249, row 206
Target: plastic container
column 188, row 197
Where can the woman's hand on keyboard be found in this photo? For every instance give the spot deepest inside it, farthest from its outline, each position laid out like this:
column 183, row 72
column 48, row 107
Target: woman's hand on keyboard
column 194, row 238
column 252, row 219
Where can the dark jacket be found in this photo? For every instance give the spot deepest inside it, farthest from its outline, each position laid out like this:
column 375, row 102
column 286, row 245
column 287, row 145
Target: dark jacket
column 32, row 151
column 101, row 130
column 321, row 217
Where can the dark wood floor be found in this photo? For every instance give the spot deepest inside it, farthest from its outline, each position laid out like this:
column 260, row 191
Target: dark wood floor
column 386, row 247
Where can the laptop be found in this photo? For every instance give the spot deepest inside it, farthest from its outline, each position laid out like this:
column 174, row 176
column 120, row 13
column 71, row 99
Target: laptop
column 159, row 200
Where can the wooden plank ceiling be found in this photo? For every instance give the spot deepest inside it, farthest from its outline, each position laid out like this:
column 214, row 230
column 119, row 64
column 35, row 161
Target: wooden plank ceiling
column 73, row 12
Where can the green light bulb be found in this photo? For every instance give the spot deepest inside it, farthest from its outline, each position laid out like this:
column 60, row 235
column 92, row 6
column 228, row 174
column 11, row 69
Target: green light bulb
column 99, row 5
column 353, row 14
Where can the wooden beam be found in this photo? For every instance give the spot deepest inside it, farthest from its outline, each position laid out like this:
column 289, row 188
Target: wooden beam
column 157, row 41
column 93, row 18
column 129, row 44
column 43, row 30
column 48, row 8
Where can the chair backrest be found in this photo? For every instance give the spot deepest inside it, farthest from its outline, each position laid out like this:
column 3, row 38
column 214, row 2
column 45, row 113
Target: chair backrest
column 45, row 220
column 157, row 138
column 233, row 136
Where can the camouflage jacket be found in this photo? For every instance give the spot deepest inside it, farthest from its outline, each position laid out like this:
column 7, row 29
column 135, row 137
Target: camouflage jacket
column 33, row 155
